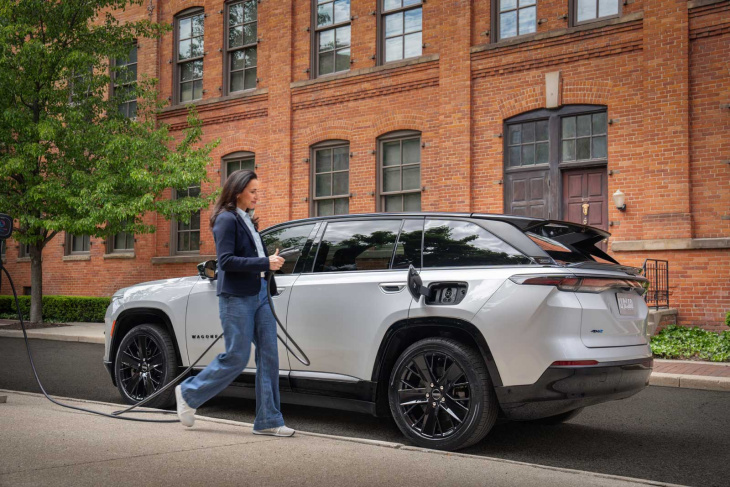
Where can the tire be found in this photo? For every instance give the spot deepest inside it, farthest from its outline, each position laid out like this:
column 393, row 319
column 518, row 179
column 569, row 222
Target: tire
column 558, row 418
column 139, row 375
column 462, row 395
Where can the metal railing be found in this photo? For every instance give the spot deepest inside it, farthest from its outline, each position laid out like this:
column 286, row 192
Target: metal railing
column 657, row 271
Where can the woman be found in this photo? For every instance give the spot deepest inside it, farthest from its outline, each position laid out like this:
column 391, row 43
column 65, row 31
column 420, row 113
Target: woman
column 244, row 310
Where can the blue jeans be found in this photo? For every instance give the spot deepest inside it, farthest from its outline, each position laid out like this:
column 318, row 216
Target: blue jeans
column 245, row 319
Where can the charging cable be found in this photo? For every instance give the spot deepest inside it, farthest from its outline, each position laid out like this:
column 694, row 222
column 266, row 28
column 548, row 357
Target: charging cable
column 118, row 414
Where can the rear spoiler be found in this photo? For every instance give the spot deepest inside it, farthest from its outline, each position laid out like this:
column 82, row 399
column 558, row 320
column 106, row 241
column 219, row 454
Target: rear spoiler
column 578, row 238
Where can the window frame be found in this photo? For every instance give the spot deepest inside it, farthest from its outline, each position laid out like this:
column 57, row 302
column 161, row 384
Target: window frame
column 314, row 41
column 320, row 233
column 573, row 14
column 468, row 220
column 228, row 52
column 111, row 240
column 399, row 135
column 177, row 75
column 381, row 15
column 306, row 248
column 327, row 144
column 175, row 231
column 69, row 245
column 23, row 251
column 113, row 86
column 496, row 33
column 233, row 157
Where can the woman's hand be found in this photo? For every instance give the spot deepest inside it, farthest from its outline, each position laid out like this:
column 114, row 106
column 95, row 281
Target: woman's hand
column 275, row 262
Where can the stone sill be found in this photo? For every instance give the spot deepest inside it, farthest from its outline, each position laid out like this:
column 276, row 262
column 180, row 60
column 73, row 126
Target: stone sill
column 120, row 255
column 182, row 259
column 671, row 244
column 560, row 32
column 359, row 72
column 702, row 3
column 73, row 258
column 22, row 259
column 183, row 107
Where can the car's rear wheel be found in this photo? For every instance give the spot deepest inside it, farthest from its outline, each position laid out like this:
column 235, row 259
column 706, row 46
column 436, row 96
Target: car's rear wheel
column 145, row 363
column 441, row 395
column 558, row 418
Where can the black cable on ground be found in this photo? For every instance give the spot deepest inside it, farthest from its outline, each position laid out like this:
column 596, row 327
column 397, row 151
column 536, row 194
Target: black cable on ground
column 118, row 414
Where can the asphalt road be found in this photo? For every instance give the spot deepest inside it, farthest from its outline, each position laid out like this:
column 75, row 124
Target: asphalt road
column 663, row 434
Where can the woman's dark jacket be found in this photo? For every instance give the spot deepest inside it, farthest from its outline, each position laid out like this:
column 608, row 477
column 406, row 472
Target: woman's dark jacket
column 239, row 266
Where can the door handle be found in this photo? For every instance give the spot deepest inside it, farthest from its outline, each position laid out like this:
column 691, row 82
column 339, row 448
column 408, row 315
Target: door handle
column 279, row 290
column 392, row 287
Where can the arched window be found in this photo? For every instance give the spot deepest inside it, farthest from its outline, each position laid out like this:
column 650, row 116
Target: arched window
column 330, row 178
column 399, row 171
column 235, row 161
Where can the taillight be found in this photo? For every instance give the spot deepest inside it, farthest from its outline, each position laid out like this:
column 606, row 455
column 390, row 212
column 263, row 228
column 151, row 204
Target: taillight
column 580, row 284
column 573, row 363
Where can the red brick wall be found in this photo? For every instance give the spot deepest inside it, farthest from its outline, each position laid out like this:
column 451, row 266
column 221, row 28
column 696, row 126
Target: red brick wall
column 661, row 71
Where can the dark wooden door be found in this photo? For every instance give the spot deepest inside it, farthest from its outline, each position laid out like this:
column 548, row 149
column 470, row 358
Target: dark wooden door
column 585, row 197
column 527, row 193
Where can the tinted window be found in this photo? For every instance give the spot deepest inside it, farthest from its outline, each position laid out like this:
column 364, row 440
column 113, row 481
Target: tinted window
column 408, row 249
column 357, row 246
column 450, row 243
column 290, row 242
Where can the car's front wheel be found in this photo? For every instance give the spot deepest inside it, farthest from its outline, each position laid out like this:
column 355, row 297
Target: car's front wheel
column 145, row 363
column 441, row 395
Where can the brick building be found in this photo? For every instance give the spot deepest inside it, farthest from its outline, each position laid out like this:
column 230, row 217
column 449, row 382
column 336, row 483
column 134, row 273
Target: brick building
column 539, row 107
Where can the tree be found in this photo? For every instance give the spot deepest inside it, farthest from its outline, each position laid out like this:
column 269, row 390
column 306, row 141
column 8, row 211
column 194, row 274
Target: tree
column 69, row 160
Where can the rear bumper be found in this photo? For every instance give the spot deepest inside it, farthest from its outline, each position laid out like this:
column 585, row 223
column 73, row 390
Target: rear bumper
column 562, row 389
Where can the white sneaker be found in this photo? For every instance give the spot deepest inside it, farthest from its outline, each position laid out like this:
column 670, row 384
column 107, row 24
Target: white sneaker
column 278, row 431
column 184, row 412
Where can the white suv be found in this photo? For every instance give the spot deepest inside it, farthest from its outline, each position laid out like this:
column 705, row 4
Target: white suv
column 519, row 317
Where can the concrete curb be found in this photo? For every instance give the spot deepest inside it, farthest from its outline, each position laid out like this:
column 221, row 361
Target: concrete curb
column 386, row 444
column 39, row 334
column 702, row 382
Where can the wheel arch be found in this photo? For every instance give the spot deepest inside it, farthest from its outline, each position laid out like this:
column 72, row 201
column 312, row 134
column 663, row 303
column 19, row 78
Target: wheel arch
column 404, row 333
column 130, row 318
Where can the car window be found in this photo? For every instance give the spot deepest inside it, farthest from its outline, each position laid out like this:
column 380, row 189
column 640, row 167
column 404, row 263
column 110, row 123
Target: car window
column 357, row 246
column 408, row 248
column 454, row 243
column 290, row 242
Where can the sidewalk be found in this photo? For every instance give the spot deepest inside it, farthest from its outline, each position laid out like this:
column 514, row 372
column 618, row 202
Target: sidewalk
column 668, row 373
column 44, row 444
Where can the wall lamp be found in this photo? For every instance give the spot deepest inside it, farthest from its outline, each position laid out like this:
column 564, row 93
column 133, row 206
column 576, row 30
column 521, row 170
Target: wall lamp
column 619, row 199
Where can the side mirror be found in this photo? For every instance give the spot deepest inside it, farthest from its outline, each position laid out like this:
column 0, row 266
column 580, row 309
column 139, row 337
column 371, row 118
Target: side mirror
column 208, row 270
column 415, row 284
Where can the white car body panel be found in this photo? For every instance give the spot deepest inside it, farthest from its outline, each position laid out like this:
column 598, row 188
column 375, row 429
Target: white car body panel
column 168, row 295
column 339, row 318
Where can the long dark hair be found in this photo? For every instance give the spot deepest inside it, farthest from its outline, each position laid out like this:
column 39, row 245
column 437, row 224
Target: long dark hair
column 234, row 185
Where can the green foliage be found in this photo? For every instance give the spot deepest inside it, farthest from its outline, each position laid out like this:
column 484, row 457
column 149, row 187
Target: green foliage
column 684, row 343
column 69, row 161
column 727, row 319
column 61, row 309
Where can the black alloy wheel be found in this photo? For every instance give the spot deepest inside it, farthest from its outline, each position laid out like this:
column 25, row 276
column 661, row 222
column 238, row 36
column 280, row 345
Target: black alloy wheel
column 441, row 395
column 146, row 362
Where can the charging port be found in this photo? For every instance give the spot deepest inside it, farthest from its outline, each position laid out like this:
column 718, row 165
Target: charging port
column 446, row 293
